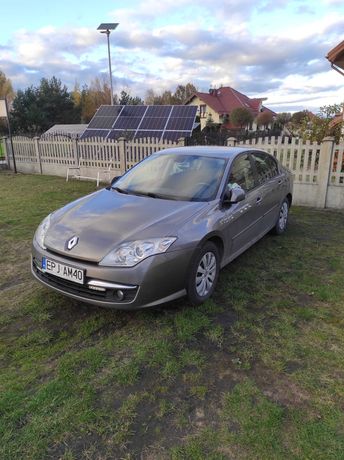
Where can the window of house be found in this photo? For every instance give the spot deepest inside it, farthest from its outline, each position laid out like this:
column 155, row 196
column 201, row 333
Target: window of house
column 202, row 111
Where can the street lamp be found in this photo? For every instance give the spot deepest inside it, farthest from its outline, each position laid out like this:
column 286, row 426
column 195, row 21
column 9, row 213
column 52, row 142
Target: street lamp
column 106, row 28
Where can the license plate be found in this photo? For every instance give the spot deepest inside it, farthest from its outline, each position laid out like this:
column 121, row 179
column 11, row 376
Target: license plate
column 63, row 271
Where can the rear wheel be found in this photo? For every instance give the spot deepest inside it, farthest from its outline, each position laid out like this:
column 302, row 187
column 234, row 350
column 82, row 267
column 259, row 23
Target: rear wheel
column 204, row 272
column 282, row 220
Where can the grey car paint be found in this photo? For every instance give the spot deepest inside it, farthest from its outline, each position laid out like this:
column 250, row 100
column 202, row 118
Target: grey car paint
column 106, row 218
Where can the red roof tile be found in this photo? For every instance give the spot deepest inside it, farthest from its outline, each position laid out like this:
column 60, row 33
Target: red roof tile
column 223, row 100
column 336, row 120
column 336, row 55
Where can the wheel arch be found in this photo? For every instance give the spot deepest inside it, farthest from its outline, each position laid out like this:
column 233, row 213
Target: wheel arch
column 215, row 238
column 289, row 197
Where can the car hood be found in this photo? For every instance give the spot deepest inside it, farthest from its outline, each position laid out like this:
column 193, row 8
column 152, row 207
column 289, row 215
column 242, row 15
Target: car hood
column 105, row 219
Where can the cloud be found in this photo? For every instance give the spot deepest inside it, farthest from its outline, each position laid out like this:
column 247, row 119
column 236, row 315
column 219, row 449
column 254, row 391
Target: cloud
column 38, row 47
column 161, row 44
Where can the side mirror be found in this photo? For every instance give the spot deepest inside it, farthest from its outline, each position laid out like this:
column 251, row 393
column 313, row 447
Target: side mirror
column 114, row 180
column 238, row 194
column 234, row 195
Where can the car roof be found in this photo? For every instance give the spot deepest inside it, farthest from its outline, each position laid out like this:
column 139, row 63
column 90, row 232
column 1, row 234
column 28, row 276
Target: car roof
column 207, row 151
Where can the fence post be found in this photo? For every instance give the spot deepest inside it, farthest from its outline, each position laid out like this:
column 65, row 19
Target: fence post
column 75, row 148
column 324, row 170
column 181, row 142
column 122, row 153
column 38, row 153
column 231, row 142
column 9, row 152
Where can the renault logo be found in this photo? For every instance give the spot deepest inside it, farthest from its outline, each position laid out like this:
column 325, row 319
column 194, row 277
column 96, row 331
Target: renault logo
column 72, row 242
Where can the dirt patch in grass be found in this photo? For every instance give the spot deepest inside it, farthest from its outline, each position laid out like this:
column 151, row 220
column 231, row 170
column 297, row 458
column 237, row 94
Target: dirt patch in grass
column 280, row 388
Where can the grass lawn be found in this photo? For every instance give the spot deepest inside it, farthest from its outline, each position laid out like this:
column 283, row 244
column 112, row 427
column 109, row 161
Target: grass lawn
column 255, row 373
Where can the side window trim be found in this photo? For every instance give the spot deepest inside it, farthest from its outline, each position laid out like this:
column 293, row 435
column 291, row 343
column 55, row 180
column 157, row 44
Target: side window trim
column 248, row 153
column 266, row 155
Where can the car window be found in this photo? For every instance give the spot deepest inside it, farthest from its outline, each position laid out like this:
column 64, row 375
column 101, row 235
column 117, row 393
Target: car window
column 242, row 173
column 175, row 176
column 266, row 166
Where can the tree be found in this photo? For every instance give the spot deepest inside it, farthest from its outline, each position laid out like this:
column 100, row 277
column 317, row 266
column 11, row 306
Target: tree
column 241, row 117
column 178, row 97
column 183, row 93
column 323, row 124
column 90, row 98
column 126, row 99
column 166, row 98
column 6, row 89
column 298, row 117
column 282, row 120
column 38, row 108
column 264, row 118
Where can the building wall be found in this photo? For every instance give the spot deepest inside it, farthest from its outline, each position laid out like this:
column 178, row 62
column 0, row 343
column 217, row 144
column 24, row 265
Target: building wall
column 209, row 112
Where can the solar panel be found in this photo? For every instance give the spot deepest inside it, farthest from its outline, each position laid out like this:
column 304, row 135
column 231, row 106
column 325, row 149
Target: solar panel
column 153, row 123
column 127, row 123
column 149, row 134
column 109, row 111
column 94, row 133
column 116, row 133
column 183, row 111
column 133, row 111
column 159, row 111
column 101, row 123
column 107, row 26
column 138, row 121
column 175, row 135
column 180, row 124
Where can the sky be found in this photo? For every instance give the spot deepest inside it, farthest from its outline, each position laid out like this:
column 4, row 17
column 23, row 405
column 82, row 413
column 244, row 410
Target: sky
column 263, row 48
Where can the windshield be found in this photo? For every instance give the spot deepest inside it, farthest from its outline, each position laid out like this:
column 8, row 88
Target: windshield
column 174, row 177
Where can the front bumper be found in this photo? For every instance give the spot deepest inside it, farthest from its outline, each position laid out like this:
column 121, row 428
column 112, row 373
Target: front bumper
column 155, row 280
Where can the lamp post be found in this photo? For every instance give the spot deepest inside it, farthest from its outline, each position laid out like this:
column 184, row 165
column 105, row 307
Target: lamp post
column 106, row 28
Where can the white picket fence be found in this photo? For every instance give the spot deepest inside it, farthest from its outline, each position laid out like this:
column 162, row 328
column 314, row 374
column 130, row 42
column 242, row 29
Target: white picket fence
column 318, row 169
column 53, row 155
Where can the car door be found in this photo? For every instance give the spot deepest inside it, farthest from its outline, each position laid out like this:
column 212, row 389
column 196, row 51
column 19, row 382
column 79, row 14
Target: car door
column 241, row 219
column 270, row 187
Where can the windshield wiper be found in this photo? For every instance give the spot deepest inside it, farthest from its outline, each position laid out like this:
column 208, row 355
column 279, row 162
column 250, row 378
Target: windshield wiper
column 150, row 194
column 120, row 190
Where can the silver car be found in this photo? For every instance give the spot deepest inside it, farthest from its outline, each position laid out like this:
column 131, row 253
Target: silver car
column 164, row 229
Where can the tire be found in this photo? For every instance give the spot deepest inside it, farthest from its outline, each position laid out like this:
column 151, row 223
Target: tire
column 282, row 220
column 200, row 286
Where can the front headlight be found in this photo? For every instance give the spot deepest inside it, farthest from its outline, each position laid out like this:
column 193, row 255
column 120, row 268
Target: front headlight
column 130, row 254
column 41, row 232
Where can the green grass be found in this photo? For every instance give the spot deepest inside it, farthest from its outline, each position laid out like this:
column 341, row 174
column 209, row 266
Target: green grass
column 256, row 372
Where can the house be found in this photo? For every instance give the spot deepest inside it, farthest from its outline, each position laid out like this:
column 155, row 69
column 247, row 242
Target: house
column 336, row 58
column 71, row 130
column 217, row 105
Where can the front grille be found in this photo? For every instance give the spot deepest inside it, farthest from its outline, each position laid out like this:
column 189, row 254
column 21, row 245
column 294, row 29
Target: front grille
column 82, row 290
column 68, row 257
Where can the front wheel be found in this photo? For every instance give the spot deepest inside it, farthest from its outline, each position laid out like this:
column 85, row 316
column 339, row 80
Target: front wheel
column 204, row 272
column 282, row 220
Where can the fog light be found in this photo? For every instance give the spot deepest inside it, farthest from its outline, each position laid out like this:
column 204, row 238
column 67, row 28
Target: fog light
column 120, row 294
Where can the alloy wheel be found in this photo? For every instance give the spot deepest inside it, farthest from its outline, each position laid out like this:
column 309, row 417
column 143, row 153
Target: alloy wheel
column 205, row 274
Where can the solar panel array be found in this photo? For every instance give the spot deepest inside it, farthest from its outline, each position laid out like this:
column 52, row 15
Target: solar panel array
column 169, row 122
